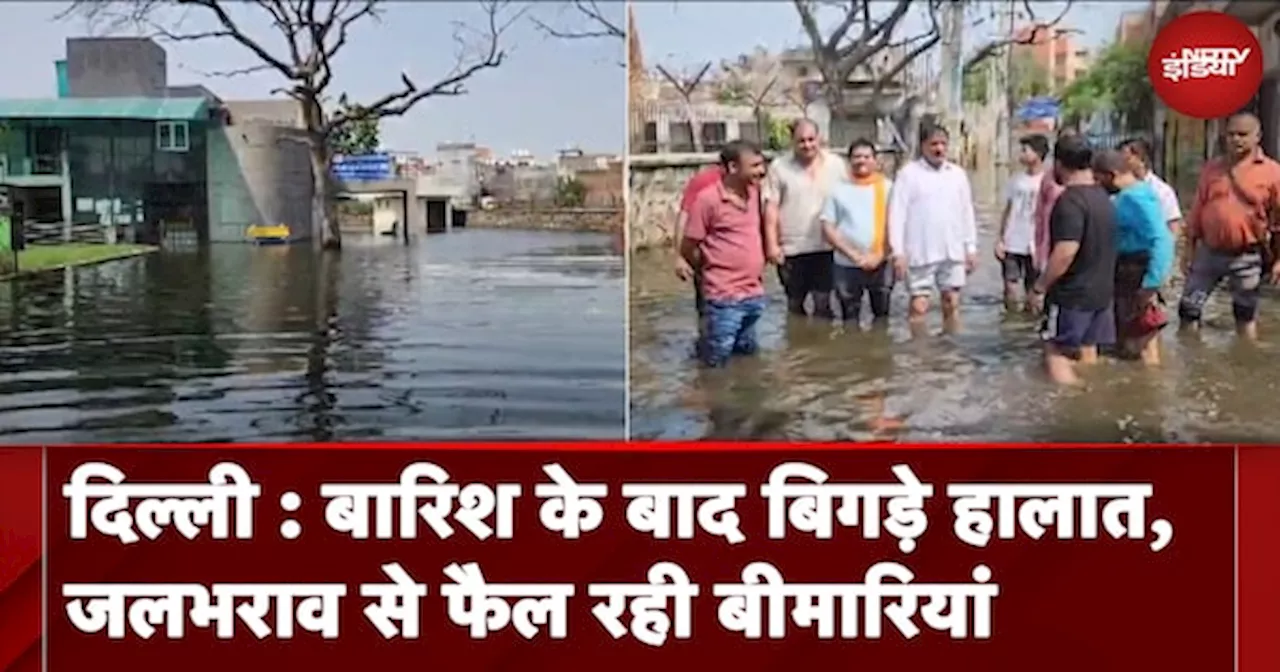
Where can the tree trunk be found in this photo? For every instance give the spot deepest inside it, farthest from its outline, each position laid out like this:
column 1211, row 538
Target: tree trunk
column 324, row 222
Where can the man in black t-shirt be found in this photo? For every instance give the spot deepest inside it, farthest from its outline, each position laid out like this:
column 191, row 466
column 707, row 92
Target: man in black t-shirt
column 1079, row 278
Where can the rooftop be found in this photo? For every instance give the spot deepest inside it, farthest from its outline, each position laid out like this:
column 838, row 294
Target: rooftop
column 151, row 109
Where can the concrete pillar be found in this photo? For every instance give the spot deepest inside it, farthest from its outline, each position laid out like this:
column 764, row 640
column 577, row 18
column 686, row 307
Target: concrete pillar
column 68, row 213
column 662, row 127
column 413, row 214
column 448, row 216
column 733, row 130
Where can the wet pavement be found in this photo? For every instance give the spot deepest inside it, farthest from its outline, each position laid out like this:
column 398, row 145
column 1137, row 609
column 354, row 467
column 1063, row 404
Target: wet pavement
column 471, row 334
column 816, row 380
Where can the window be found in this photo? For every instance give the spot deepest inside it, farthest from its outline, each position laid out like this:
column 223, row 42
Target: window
column 171, row 136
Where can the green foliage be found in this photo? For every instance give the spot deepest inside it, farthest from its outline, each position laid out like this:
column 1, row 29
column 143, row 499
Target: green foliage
column 734, row 92
column 570, row 192
column 1026, row 77
column 1117, row 83
column 358, row 136
column 777, row 133
column 1030, row 79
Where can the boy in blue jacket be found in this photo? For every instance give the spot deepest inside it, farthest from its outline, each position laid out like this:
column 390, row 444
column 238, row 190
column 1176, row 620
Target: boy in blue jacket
column 1145, row 249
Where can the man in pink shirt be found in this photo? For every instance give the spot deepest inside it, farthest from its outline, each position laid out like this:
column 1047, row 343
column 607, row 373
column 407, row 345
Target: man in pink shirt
column 701, row 180
column 723, row 239
column 1050, row 190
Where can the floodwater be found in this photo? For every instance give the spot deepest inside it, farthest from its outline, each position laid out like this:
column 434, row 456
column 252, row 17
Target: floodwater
column 820, row 381
column 470, row 334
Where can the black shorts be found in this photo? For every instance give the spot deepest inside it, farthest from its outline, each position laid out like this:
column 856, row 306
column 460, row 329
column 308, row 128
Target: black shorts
column 1019, row 268
column 805, row 274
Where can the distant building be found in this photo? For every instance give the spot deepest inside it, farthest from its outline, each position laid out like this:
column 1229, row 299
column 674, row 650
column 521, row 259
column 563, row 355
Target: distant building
column 1136, row 27
column 1055, row 51
column 605, row 187
column 121, row 155
column 600, row 174
column 792, row 88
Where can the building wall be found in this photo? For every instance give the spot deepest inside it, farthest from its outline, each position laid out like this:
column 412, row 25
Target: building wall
column 116, row 170
column 1060, row 56
column 458, row 169
column 115, row 67
column 604, row 186
column 258, row 174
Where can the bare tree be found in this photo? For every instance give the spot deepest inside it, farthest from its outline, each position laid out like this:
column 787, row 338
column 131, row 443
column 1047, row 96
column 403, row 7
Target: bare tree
column 598, row 25
column 1035, row 28
column 755, row 80
column 588, row 22
column 309, row 36
column 687, row 86
column 863, row 41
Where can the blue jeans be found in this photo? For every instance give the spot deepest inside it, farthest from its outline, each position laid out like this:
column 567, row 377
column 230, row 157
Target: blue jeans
column 731, row 328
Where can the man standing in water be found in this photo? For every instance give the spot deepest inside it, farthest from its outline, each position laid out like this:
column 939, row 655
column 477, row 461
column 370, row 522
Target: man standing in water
column 1015, row 245
column 1232, row 222
column 933, row 231
column 854, row 221
column 1137, row 153
column 722, row 238
column 1144, row 248
column 1080, row 274
column 701, row 180
column 1050, row 190
column 794, row 192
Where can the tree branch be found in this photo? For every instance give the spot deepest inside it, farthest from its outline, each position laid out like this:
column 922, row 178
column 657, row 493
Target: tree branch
column 1037, row 31
column 601, row 26
column 686, row 86
column 491, row 56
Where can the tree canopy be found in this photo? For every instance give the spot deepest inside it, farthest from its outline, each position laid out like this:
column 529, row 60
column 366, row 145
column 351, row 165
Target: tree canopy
column 358, row 136
column 1117, row 83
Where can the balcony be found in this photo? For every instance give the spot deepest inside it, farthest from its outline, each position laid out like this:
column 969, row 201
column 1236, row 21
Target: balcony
column 44, row 165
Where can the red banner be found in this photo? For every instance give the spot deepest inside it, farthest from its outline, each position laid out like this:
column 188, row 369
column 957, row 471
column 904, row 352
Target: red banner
column 635, row 556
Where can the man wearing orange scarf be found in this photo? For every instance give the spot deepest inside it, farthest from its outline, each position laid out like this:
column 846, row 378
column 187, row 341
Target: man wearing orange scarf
column 853, row 222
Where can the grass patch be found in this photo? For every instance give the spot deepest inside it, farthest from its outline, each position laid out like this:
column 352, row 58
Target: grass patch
column 38, row 258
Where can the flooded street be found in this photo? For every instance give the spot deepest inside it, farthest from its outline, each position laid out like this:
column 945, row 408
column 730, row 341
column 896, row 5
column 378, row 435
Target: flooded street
column 817, row 381
column 471, row 334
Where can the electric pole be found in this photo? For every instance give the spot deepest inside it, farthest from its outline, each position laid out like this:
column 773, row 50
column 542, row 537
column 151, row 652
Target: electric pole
column 1003, row 95
column 952, row 67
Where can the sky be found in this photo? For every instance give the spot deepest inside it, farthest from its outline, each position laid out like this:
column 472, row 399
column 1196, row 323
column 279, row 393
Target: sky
column 683, row 34
column 550, row 94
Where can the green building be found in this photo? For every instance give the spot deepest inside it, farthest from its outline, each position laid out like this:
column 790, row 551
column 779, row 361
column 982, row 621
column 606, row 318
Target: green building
column 175, row 165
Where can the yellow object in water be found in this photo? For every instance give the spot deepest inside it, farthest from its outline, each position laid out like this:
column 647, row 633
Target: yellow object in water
column 260, row 233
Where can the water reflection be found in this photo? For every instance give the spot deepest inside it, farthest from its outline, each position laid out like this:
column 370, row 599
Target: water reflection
column 819, row 381
column 465, row 335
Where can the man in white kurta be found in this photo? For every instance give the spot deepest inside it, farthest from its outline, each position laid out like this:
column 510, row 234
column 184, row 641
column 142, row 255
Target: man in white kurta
column 933, row 229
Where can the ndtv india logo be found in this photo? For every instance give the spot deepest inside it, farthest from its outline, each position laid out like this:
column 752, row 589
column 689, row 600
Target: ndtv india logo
column 1205, row 65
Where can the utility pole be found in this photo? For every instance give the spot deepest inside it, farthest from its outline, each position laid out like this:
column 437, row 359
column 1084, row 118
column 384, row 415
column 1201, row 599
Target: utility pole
column 952, row 66
column 1003, row 95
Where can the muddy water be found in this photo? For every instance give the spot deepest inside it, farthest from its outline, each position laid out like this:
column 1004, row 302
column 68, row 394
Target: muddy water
column 471, row 334
column 816, row 380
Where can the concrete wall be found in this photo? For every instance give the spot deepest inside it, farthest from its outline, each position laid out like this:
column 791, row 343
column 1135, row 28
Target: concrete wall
column 258, row 174
column 598, row 220
column 271, row 112
column 115, row 67
column 657, row 181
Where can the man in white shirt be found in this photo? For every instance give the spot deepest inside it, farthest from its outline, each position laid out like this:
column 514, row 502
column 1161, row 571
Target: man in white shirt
column 794, row 193
column 1015, row 246
column 933, row 231
column 1137, row 152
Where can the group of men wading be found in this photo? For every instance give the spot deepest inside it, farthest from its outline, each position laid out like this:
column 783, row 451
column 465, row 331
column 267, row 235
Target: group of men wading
column 1087, row 239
